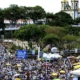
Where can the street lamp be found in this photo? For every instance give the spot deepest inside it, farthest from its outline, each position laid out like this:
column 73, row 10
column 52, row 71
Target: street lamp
column 11, row 22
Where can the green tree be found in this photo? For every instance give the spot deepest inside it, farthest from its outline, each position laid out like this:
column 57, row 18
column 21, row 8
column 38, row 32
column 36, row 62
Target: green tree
column 49, row 18
column 69, row 41
column 30, row 32
column 12, row 13
column 51, row 39
column 62, row 19
column 77, row 21
column 69, row 38
column 2, row 25
column 72, row 30
column 59, row 31
column 36, row 13
column 25, row 13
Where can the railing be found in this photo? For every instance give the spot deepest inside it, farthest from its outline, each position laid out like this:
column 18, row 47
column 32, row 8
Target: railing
column 11, row 28
column 72, row 51
column 76, row 25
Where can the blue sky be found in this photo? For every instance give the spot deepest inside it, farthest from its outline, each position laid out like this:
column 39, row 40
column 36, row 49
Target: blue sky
column 49, row 5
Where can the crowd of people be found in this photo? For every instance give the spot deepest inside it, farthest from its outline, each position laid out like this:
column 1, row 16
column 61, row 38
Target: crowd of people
column 12, row 68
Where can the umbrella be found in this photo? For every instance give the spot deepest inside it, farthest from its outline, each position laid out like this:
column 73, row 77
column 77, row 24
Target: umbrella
column 40, row 59
column 78, row 63
column 75, row 64
column 54, row 74
column 56, row 79
column 62, row 71
column 77, row 67
column 78, row 57
column 13, row 78
column 8, row 64
column 18, row 65
column 16, row 75
column 17, row 79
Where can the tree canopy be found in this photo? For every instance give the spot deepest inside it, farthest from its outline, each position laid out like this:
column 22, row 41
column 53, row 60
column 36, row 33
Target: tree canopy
column 31, row 32
column 2, row 25
column 62, row 19
column 69, row 38
column 36, row 13
column 12, row 13
column 50, row 39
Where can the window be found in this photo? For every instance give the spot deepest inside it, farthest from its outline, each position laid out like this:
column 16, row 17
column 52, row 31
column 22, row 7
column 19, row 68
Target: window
column 76, row 4
column 62, row 5
column 72, row 5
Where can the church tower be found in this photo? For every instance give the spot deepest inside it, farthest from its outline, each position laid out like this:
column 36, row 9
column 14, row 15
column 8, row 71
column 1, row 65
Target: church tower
column 74, row 7
column 72, row 10
column 64, row 3
column 74, row 4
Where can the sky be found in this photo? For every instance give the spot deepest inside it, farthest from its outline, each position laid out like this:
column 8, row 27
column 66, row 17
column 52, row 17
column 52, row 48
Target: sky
column 52, row 6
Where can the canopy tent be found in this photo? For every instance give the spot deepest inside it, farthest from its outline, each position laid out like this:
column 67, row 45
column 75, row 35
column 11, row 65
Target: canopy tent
column 6, row 40
column 75, row 72
column 50, row 56
column 46, row 56
column 56, row 55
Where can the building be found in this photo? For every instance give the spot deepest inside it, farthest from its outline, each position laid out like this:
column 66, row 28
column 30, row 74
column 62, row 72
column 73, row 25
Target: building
column 72, row 9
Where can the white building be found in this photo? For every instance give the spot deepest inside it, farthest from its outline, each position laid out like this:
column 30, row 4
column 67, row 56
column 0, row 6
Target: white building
column 20, row 21
column 72, row 9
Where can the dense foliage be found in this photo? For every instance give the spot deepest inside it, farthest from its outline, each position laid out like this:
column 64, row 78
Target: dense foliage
column 56, row 31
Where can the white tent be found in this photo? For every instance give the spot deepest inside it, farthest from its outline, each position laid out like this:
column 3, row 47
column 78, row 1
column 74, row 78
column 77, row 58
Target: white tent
column 8, row 40
column 75, row 72
column 56, row 55
column 44, row 55
column 49, row 55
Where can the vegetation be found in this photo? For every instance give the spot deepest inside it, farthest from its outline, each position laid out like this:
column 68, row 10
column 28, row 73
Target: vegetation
column 2, row 25
column 44, row 35
column 56, row 31
column 50, row 39
column 14, row 47
column 15, row 12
